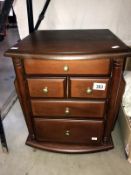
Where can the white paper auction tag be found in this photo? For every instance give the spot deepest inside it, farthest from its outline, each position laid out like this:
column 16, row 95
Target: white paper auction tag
column 99, row 86
column 93, row 138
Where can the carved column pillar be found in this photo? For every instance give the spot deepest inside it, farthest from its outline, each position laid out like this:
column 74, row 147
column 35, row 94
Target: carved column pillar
column 116, row 92
column 21, row 89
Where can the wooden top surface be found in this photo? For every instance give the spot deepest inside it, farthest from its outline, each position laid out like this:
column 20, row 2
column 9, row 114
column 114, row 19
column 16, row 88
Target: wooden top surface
column 68, row 42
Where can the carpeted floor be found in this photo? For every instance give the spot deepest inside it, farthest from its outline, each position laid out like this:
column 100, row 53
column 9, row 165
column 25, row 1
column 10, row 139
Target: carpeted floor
column 23, row 160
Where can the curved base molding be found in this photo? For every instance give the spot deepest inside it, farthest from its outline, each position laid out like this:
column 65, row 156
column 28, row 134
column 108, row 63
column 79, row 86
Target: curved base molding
column 69, row 148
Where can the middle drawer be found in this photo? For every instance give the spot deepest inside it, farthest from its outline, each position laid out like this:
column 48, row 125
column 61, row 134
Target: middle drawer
column 61, row 108
column 47, row 87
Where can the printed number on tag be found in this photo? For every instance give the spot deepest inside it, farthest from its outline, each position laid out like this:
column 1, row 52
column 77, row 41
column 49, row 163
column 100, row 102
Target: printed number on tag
column 99, row 86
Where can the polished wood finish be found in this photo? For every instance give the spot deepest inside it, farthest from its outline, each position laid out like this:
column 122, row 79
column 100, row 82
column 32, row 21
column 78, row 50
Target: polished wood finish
column 69, row 148
column 58, row 79
column 69, row 131
column 47, row 87
column 68, row 108
column 79, row 86
column 66, row 42
column 79, row 67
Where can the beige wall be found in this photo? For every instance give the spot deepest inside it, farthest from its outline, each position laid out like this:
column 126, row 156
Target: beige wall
column 80, row 14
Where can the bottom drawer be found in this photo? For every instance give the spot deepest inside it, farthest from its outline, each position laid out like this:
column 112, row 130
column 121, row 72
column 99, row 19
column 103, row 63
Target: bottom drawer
column 69, row 131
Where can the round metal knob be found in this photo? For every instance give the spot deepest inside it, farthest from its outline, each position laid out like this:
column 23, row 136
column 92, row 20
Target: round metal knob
column 67, row 110
column 88, row 90
column 45, row 90
column 67, row 133
column 66, row 68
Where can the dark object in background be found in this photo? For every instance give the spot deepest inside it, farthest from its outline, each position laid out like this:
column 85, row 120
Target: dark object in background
column 30, row 15
column 41, row 16
column 12, row 20
column 3, row 17
column 2, row 136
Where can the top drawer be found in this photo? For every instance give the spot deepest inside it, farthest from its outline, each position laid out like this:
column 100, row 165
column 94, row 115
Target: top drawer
column 77, row 67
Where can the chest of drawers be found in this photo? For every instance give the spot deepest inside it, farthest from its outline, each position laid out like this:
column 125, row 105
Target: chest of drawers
column 70, row 84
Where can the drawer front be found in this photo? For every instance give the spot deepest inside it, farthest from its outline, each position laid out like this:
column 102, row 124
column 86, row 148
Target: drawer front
column 71, row 131
column 88, row 88
column 90, row 109
column 82, row 67
column 51, row 87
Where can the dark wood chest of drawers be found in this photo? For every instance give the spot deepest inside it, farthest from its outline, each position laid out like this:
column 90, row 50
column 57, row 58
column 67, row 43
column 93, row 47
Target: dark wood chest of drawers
column 70, row 84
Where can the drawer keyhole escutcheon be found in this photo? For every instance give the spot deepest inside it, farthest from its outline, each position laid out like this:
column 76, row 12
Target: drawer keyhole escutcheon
column 45, row 90
column 67, row 110
column 89, row 90
column 67, row 133
column 66, row 68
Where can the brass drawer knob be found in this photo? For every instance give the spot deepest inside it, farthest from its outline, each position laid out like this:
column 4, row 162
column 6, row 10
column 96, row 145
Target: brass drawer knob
column 67, row 133
column 89, row 90
column 66, row 68
column 67, row 110
column 45, row 90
